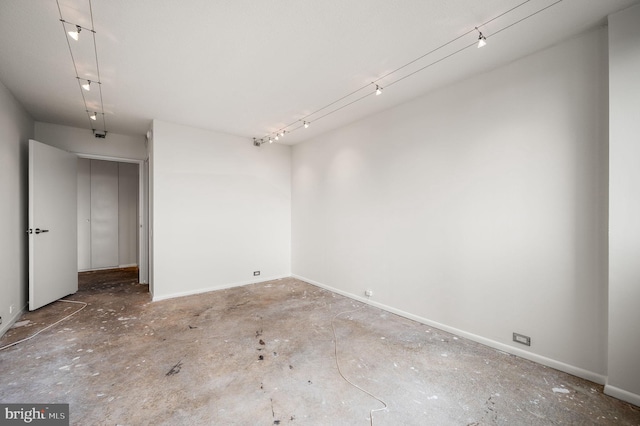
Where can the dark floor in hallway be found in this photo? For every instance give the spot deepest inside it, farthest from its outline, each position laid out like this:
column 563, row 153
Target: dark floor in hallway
column 265, row 354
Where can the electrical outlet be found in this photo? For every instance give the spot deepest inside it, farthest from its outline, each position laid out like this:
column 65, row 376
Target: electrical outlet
column 256, row 273
column 520, row 338
column 368, row 292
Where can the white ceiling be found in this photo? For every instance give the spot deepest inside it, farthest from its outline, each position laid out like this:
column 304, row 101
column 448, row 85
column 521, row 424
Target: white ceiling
column 249, row 67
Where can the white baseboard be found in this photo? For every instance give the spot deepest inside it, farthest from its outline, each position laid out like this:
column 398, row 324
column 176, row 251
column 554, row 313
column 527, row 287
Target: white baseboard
column 157, row 298
column 622, row 394
column 8, row 323
column 549, row 362
column 107, row 268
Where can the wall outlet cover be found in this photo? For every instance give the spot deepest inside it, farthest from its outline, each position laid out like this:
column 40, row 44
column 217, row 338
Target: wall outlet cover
column 521, row 338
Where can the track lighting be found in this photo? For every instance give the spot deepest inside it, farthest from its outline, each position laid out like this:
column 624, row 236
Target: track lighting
column 88, row 70
column 350, row 98
column 75, row 34
column 482, row 40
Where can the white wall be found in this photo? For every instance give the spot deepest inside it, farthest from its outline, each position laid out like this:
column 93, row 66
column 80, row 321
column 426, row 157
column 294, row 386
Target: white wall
column 16, row 128
column 149, row 172
column 221, row 210
column 624, row 205
column 480, row 208
column 82, row 141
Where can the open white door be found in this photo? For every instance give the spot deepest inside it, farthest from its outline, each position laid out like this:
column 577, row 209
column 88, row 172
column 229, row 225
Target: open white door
column 53, row 232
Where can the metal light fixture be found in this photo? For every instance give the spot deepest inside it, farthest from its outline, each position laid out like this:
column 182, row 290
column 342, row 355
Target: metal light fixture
column 482, row 40
column 75, row 34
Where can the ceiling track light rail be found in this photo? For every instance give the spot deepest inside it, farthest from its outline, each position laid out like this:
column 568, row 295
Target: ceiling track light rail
column 94, row 114
column 85, row 84
column 78, row 29
column 481, row 41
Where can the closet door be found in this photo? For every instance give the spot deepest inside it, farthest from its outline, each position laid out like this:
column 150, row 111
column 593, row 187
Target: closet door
column 104, row 214
column 128, row 206
column 84, row 214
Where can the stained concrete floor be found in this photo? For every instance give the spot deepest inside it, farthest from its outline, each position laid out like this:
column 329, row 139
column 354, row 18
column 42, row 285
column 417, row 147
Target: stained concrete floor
column 265, row 354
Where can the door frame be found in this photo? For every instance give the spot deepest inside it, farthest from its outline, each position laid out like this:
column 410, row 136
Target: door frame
column 143, row 224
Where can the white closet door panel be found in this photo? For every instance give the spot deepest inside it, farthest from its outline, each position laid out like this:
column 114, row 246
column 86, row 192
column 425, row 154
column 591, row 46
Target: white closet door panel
column 84, row 214
column 104, row 214
column 128, row 213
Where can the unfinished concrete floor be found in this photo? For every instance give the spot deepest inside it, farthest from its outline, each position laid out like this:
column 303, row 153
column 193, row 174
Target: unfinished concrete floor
column 264, row 354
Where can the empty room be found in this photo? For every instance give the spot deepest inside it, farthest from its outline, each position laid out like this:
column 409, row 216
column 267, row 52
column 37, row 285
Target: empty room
column 322, row 213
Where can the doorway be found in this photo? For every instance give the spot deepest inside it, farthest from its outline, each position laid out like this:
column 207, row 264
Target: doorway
column 111, row 215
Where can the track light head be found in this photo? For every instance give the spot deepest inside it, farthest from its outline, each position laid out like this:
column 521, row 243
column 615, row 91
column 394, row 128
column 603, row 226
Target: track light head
column 87, row 86
column 270, row 139
column 306, row 124
column 93, row 116
column 378, row 90
column 75, row 34
column 482, row 40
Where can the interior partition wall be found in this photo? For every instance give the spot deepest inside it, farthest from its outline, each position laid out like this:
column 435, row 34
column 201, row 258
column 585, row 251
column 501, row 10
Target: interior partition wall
column 623, row 379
